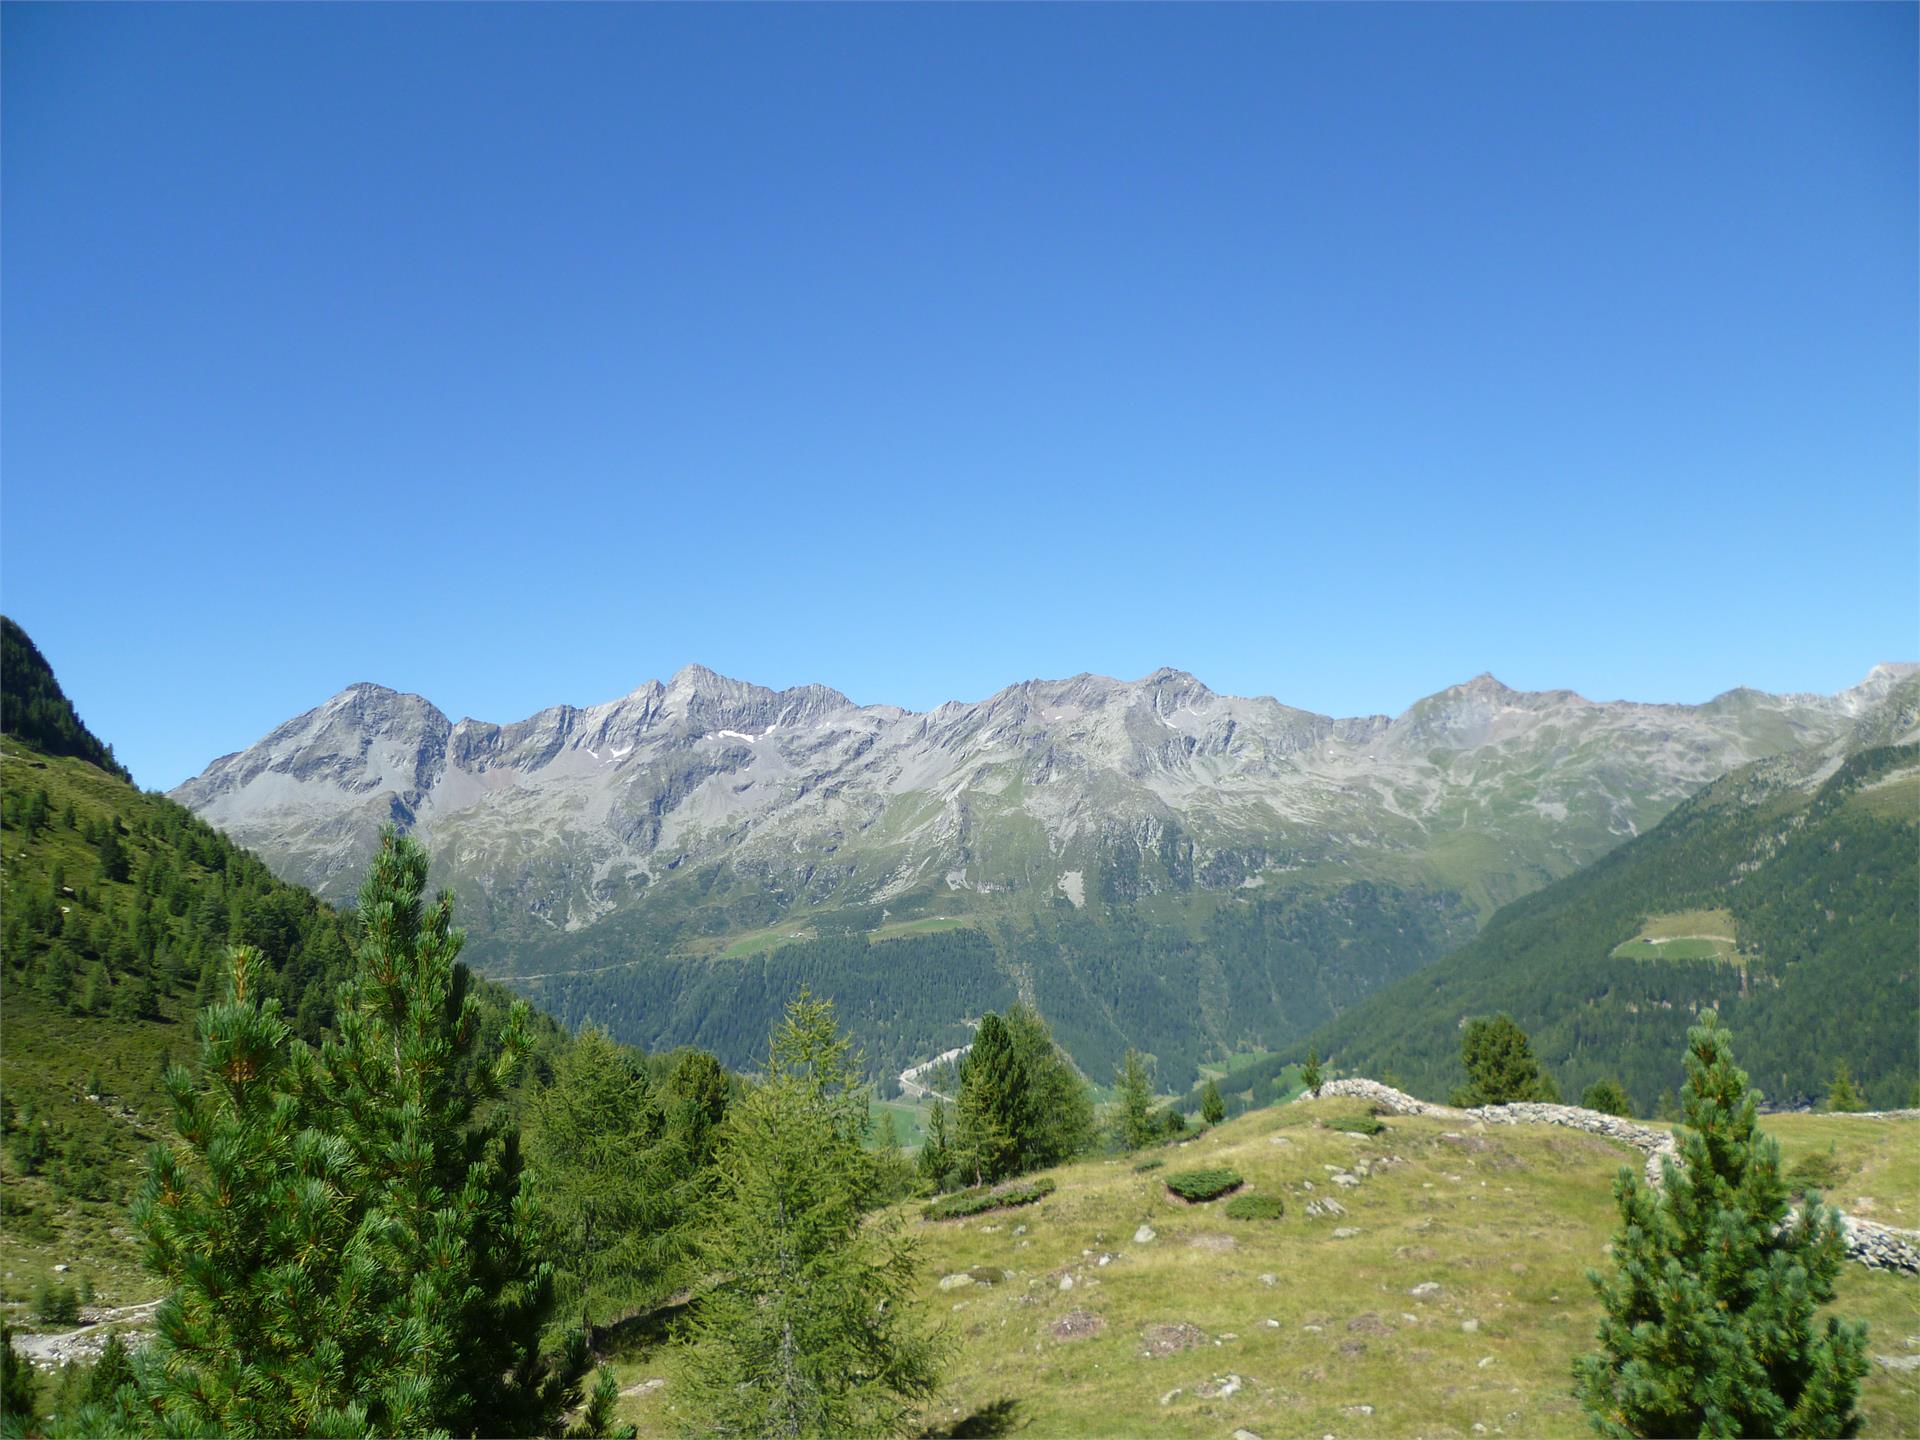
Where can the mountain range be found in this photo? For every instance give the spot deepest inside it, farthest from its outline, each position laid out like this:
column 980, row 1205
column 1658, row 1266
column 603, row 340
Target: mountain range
column 1247, row 869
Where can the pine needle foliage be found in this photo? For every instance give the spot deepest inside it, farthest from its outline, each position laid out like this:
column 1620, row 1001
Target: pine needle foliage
column 1213, row 1109
column 608, row 1176
column 810, row 1327
column 1501, row 1068
column 1709, row 1326
column 1844, row 1097
column 1134, row 1120
column 350, row 1247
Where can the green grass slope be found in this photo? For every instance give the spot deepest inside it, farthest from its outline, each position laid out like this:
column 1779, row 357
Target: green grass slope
column 1819, row 881
column 1070, row 1326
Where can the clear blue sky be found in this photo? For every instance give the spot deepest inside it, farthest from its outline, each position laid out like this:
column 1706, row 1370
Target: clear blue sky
column 517, row 355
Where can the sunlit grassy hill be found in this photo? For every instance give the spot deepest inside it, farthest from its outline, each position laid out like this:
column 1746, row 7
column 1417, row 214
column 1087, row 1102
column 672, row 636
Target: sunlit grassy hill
column 1447, row 1299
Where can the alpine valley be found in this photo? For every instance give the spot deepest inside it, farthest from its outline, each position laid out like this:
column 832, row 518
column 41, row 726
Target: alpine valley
column 1151, row 863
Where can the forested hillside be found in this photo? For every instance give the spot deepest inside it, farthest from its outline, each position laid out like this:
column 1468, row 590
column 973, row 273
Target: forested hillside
column 1816, row 878
column 1254, row 974
column 119, row 908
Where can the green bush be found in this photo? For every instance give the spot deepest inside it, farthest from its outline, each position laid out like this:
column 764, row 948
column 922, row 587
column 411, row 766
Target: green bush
column 1818, row 1171
column 989, row 1197
column 1360, row 1122
column 1198, row 1185
column 1146, row 1165
column 1256, row 1207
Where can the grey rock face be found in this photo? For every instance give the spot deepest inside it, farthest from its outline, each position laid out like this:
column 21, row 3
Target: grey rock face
column 1042, row 793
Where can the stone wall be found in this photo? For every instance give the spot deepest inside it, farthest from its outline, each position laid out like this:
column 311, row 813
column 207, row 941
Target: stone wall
column 1880, row 1247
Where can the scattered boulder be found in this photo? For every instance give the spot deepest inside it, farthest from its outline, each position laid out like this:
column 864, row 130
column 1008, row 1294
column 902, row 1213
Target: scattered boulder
column 1219, row 1387
column 1346, row 1232
column 1143, row 1236
column 1425, row 1289
column 955, row 1281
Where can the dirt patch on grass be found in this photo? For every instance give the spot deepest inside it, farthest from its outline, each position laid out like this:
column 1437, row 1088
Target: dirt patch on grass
column 1078, row 1325
column 1368, row 1324
column 1172, row 1339
column 1219, row 1244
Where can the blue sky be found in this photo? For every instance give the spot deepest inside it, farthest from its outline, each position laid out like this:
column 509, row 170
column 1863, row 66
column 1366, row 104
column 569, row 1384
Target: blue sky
column 517, row 355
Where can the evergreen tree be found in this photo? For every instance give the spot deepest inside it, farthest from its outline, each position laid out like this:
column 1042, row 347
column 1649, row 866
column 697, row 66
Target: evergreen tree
column 1212, row 1108
column 894, row 1173
column 347, row 1250
column 810, row 1328
column 1500, row 1065
column 1844, row 1098
column 1310, row 1073
column 1135, row 1117
column 1057, row 1121
column 1608, row 1098
column 595, row 1145
column 1709, row 1326
column 16, row 1385
column 994, row 1104
column 936, row 1162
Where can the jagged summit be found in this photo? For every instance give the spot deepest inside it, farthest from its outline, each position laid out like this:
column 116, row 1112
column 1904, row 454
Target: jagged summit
column 805, row 799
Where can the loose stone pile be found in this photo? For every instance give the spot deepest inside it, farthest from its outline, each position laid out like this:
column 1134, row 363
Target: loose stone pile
column 1880, row 1247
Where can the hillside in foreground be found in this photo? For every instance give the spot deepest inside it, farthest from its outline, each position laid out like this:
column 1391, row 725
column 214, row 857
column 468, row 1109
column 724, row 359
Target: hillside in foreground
column 1310, row 1324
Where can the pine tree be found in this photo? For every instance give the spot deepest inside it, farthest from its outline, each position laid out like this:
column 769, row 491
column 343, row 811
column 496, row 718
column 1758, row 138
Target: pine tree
column 1608, row 1098
column 936, row 1161
column 1709, row 1325
column 595, row 1143
column 994, row 1103
column 1057, row 1121
column 346, row 1250
column 1212, row 1108
column 1844, row 1098
column 810, row 1328
column 1501, row 1069
column 16, row 1385
column 1310, row 1073
column 1135, row 1085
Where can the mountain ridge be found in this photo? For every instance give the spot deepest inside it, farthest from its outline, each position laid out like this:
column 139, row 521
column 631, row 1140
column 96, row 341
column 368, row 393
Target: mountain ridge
column 692, row 817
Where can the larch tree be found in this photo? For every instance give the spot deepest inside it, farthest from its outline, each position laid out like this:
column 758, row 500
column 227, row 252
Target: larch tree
column 596, row 1146
column 810, row 1327
column 1134, row 1120
column 1710, row 1325
column 1212, row 1108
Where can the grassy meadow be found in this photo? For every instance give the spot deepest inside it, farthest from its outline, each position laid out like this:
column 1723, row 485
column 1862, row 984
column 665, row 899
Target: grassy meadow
column 1289, row 1328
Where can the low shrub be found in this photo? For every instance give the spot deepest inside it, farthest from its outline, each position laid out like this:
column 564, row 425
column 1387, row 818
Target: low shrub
column 989, row 1197
column 1256, row 1207
column 1818, row 1171
column 1199, row 1185
column 1146, row 1165
column 1359, row 1122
